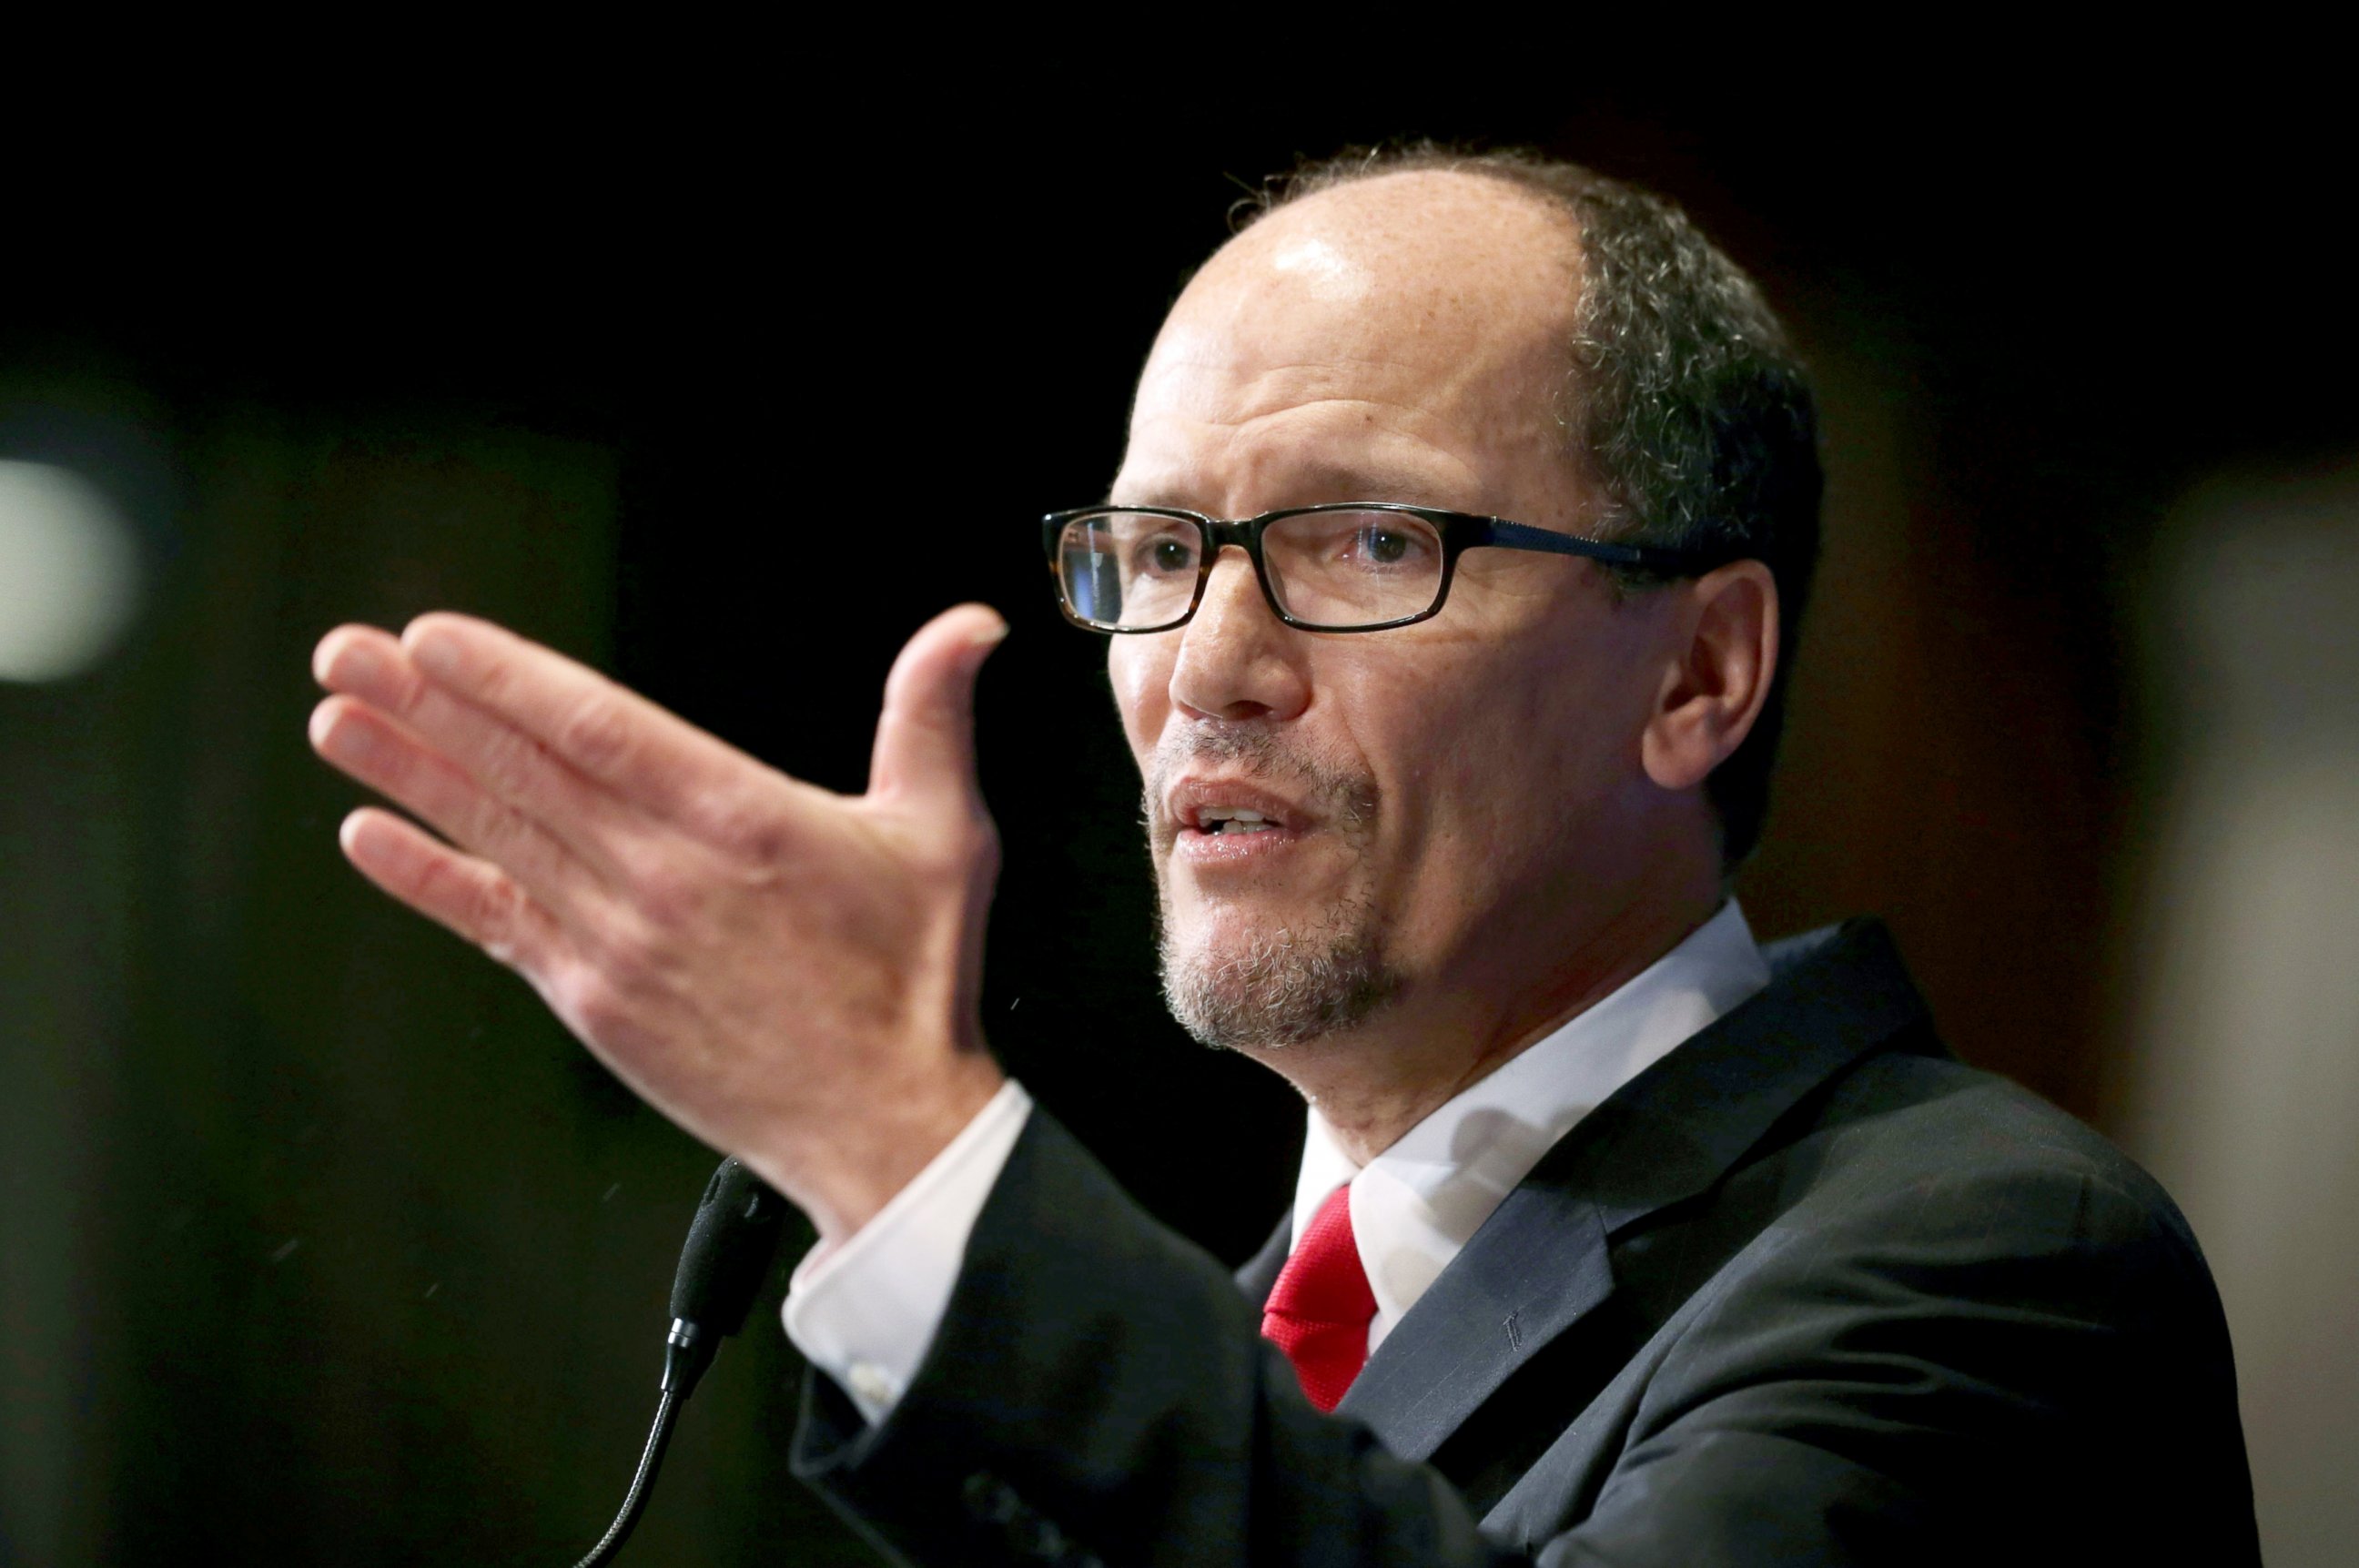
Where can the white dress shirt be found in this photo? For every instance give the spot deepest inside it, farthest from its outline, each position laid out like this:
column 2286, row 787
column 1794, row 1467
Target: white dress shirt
column 865, row 1312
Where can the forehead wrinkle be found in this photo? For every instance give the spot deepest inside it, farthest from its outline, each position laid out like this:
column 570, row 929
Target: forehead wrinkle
column 1272, row 358
column 1460, row 401
column 1267, row 453
column 1246, row 420
column 1499, row 377
column 1278, row 391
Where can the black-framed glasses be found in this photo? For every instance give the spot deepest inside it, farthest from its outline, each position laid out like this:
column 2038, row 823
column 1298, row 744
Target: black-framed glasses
column 1348, row 566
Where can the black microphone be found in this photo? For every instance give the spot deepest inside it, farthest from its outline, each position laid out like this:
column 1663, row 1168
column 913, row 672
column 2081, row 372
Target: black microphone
column 730, row 1245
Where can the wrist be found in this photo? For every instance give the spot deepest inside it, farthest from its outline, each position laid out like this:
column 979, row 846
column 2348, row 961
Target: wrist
column 843, row 1178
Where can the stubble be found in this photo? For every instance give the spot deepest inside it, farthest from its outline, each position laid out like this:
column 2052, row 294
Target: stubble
column 1268, row 985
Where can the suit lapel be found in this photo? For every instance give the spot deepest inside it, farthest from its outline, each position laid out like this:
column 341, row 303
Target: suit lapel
column 1258, row 1277
column 1536, row 1267
column 1540, row 1262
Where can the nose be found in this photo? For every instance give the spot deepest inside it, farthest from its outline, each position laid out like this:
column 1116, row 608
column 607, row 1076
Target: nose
column 1237, row 659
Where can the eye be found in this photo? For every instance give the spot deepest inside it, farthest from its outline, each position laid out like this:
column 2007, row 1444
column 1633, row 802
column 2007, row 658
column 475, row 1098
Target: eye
column 1382, row 545
column 1165, row 553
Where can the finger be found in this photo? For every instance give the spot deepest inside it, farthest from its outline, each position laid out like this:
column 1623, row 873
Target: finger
column 585, row 816
column 472, row 898
column 925, row 738
column 378, row 752
column 615, row 736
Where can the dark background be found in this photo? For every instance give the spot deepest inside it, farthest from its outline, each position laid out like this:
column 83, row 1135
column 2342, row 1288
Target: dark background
column 324, row 1243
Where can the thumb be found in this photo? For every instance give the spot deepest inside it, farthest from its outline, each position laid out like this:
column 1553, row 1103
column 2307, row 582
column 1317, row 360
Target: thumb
column 925, row 738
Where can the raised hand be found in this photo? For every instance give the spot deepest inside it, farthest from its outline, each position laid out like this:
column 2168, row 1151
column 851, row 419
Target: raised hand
column 791, row 974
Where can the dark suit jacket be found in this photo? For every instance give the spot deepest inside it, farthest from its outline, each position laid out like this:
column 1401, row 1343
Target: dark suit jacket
column 1806, row 1291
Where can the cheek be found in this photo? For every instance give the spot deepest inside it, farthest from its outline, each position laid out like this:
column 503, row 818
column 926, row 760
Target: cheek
column 1139, row 669
column 1494, row 755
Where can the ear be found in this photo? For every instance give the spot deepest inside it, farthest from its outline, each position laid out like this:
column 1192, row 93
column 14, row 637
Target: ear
column 1724, row 655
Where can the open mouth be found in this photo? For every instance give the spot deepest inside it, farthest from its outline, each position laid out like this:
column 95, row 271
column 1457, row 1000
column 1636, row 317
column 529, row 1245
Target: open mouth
column 1228, row 821
column 1219, row 818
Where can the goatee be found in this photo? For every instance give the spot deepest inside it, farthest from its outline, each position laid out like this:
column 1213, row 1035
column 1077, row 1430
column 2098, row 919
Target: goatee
column 1273, row 985
column 1280, row 987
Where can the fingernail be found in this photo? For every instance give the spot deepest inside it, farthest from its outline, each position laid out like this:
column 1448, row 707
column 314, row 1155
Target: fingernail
column 334, row 736
column 355, row 661
column 349, row 832
column 437, row 643
column 433, row 652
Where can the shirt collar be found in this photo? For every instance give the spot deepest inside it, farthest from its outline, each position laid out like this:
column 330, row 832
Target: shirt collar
column 1415, row 1204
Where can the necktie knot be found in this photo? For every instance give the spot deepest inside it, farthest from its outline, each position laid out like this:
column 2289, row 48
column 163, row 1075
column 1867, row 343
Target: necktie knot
column 1320, row 1310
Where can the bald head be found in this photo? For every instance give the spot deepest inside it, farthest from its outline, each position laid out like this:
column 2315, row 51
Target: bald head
column 1419, row 318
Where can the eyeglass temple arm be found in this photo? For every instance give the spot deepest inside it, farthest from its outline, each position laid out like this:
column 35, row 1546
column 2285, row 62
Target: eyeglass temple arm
column 1654, row 557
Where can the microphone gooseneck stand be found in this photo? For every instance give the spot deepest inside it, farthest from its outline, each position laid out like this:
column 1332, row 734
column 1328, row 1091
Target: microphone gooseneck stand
column 730, row 1245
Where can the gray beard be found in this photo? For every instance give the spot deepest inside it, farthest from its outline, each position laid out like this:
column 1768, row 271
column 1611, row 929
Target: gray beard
column 1279, row 987
column 1282, row 987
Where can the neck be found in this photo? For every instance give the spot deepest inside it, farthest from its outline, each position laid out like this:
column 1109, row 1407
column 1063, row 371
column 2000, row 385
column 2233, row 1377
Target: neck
column 1374, row 1082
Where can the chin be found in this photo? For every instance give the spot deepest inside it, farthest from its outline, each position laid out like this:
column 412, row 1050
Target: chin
column 1252, row 980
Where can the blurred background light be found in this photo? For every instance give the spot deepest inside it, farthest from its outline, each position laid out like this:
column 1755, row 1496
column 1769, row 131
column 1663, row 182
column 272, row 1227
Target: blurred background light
column 69, row 572
column 2241, row 1080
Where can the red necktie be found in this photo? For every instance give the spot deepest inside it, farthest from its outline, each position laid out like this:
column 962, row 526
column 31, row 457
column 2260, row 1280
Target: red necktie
column 1320, row 1309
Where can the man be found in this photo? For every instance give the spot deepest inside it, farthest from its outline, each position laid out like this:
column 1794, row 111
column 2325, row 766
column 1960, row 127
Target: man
column 1616, row 1239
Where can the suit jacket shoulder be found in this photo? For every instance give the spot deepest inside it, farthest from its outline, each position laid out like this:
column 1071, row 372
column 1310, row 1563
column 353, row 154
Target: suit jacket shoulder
column 1927, row 1309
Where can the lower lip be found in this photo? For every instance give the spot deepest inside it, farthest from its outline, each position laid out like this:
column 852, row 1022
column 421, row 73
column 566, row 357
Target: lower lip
column 1234, row 848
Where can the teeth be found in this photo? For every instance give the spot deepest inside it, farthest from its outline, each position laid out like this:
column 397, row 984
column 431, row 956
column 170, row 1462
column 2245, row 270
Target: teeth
column 1232, row 820
column 1230, row 813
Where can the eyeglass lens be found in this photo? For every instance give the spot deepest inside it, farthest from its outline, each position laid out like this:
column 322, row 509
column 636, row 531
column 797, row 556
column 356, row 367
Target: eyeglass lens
column 1136, row 571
